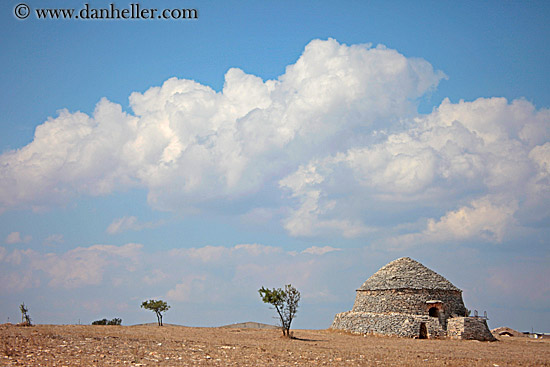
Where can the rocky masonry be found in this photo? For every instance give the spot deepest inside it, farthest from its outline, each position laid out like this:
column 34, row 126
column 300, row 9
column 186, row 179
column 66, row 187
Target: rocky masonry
column 405, row 298
column 469, row 328
column 397, row 324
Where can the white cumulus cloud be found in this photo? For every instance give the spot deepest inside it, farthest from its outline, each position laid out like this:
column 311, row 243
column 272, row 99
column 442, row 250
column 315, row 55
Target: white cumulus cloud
column 15, row 237
column 186, row 143
column 335, row 143
column 477, row 152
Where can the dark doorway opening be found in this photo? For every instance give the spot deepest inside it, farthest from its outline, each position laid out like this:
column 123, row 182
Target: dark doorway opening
column 433, row 312
column 423, row 334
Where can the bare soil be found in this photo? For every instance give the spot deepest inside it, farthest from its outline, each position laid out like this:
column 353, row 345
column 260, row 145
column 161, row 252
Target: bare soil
column 147, row 345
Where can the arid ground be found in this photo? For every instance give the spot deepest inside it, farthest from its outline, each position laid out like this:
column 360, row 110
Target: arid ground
column 148, row 345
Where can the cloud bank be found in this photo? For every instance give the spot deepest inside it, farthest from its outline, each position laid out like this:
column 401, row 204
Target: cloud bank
column 335, row 143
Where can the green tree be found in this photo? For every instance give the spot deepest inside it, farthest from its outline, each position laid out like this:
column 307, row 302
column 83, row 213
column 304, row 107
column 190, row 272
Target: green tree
column 158, row 307
column 285, row 302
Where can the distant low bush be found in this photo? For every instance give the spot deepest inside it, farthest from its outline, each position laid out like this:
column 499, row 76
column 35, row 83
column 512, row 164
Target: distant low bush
column 114, row 321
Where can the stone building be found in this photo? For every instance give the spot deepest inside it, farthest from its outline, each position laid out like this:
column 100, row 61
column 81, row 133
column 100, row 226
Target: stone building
column 405, row 298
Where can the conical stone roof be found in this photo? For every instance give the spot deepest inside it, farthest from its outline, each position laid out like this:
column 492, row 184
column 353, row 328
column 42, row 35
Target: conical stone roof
column 406, row 273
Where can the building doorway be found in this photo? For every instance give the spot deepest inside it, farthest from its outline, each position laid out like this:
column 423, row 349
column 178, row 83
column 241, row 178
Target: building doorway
column 433, row 312
column 423, row 334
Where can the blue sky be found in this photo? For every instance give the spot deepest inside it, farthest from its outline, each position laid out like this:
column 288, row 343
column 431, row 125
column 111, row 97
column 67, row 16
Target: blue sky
column 273, row 142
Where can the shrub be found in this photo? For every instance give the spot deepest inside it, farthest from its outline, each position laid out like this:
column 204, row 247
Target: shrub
column 114, row 321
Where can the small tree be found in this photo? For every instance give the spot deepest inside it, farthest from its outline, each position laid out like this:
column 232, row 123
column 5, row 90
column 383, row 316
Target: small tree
column 158, row 307
column 25, row 318
column 285, row 301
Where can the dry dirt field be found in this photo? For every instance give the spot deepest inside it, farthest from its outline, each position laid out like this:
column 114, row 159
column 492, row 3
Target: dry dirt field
column 147, row 345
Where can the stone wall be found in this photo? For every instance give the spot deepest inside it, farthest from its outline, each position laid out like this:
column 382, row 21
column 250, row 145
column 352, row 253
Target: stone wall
column 469, row 328
column 408, row 301
column 392, row 323
column 403, row 325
